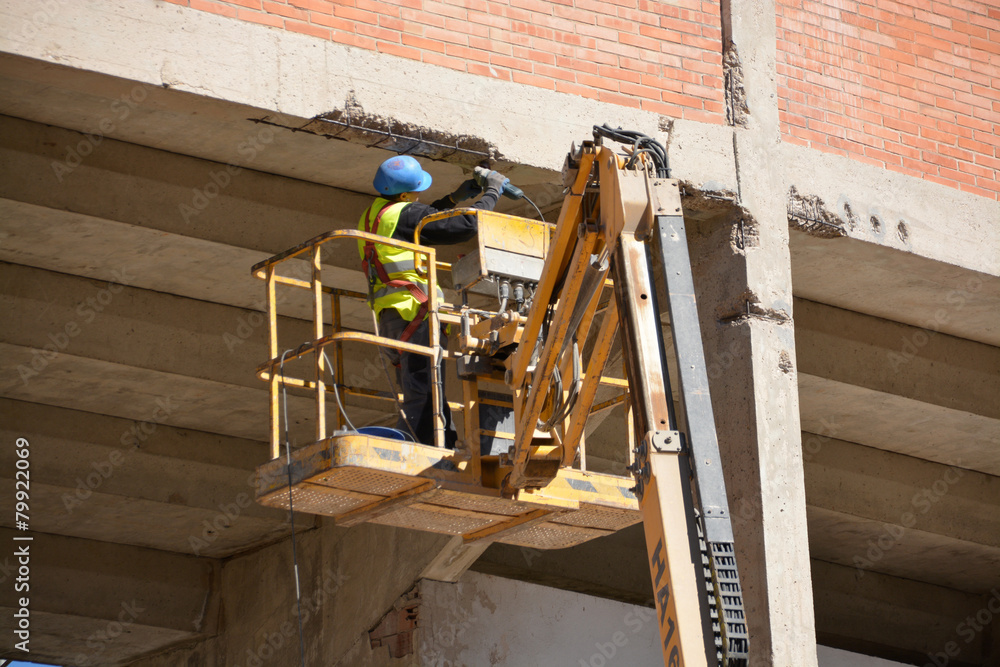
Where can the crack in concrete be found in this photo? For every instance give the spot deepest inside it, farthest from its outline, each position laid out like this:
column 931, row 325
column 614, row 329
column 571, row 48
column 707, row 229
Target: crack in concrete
column 737, row 110
column 785, row 362
column 666, row 125
column 852, row 218
column 902, row 231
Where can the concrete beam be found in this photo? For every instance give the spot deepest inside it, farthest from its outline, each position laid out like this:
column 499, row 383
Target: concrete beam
column 118, row 390
column 915, row 619
column 882, row 486
column 169, row 237
column 62, row 323
column 892, row 549
column 80, row 316
column 169, row 192
column 163, row 262
column 300, row 77
column 899, row 424
column 877, row 511
column 159, row 235
column 914, row 363
column 107, row 479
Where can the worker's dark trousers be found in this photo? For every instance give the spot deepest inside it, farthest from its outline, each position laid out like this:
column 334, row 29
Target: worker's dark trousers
column 413, row 371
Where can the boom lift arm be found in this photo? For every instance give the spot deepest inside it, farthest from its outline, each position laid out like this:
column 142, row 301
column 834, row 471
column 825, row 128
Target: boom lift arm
column 619, row 209
column 531, row 370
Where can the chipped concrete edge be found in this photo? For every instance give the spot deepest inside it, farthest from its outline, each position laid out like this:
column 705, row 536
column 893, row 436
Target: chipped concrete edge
column 833, row 196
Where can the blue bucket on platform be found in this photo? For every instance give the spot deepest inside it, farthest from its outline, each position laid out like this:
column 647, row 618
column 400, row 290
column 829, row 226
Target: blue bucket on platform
column 385, row 432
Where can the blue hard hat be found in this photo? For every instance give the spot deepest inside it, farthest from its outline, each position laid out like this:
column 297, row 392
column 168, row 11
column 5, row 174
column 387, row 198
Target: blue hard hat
column 401, row 174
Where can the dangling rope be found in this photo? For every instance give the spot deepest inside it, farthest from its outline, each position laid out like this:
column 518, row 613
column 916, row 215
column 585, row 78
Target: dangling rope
column 291, row 513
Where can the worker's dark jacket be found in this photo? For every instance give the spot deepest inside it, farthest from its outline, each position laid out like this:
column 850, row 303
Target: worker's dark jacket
column 455, row 229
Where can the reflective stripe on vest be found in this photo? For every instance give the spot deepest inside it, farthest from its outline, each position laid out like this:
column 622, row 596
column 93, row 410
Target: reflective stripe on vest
column 398, row 263
column 399, row 267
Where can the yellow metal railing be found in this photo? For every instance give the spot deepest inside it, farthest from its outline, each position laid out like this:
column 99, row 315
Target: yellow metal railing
column 496, row 228
column 272, row 370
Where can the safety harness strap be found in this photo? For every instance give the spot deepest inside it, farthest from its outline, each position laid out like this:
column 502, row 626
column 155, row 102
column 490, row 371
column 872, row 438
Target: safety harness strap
column 388, row 291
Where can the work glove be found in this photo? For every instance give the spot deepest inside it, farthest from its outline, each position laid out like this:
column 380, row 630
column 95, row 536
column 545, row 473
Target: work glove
column 491, row 179
column 466, row 190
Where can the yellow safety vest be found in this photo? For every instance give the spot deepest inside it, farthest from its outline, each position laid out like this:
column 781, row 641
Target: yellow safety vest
column 396, row 264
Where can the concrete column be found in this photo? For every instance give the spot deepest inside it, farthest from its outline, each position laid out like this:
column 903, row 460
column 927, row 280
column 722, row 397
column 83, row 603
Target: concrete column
column 744, row 282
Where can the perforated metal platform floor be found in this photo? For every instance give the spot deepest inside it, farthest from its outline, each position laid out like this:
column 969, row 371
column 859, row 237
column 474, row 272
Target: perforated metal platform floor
column 359, row 478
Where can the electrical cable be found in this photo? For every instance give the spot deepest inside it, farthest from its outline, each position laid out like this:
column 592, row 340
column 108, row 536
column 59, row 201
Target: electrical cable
column 563, row 405
column 538, row 210
column 336, row 392
column 503, row 293
column 291, row 513
column 555, row 390
column 635, row 156
column 640, row 142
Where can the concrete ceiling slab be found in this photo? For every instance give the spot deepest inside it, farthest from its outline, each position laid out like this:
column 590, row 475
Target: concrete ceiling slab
column 124, row 254
column 165, row 597
column 108, row 479
column 57, row 638
column 121, row 254
column 143, row 395
column 65, row 425
column 180, row 528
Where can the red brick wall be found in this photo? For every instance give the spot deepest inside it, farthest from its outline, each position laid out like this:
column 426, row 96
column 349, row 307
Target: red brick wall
column 664, row 57
column 909, row 85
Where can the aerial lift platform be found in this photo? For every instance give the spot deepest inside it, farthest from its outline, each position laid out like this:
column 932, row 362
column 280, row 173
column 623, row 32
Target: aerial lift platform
column 540, row 308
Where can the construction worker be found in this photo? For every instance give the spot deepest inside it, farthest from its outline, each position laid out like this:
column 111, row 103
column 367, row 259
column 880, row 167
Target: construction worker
column 397, row 294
